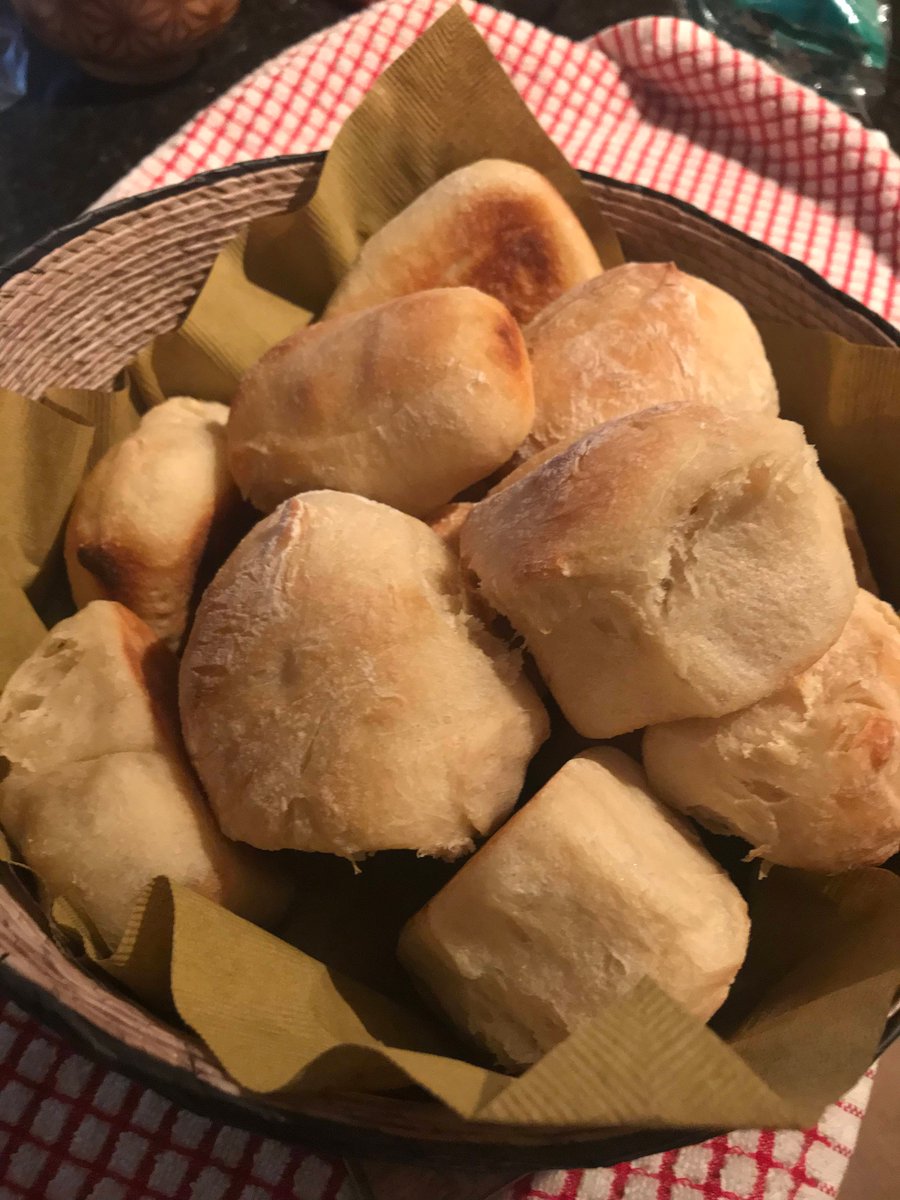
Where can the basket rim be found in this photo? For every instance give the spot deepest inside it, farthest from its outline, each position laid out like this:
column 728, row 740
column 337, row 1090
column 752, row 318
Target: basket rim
column 338, row 1138
column 30, row 256
column 255, row 1114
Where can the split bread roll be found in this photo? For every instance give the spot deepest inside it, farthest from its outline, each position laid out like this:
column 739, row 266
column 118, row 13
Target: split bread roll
column 810, row 776
column 98, row 795
column 157, row 513
column 408, row 403
column 673, row 563
column 494, row 225
column 340, row 694
column 637, row 336
column 590, row 887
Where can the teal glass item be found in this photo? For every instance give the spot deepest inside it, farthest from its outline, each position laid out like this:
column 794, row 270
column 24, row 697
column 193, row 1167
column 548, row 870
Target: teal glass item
column 838, row 47
column 839, row 27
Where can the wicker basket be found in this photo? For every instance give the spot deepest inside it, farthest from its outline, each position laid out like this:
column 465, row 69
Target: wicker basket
column 73, row 310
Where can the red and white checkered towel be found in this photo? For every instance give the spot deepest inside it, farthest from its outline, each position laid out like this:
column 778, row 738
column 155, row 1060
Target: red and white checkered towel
column 654, row 101
column 657, row 102
column 71, row 1130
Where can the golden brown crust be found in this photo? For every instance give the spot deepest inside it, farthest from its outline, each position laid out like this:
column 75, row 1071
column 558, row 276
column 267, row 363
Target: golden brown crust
column 106, row 562
column 496, row 226
column 407, row 403
column 518, row 261
column 147, row 517
column 677, row 561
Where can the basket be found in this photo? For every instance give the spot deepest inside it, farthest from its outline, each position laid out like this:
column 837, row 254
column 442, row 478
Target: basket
column 73, row 310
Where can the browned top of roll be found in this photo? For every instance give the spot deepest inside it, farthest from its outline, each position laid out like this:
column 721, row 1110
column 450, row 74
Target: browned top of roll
column 679, row 561
column 158, row 511
column 494, row 225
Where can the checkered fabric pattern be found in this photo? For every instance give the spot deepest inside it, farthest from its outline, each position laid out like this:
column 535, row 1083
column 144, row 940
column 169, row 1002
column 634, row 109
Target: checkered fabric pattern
column 71, row 1130
column 655, row 101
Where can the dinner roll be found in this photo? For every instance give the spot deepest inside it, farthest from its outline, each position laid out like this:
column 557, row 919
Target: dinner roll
column 407, row 403
column 99, row 683
column 156, row 516
column 493, row 225
column 339, row 693
column 98, row 831
column 641, row 335
column 810, row 776
column 587, row 889
column 676, row 562
column 97, row 793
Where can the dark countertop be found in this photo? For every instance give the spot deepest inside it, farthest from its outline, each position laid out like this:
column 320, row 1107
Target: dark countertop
column 70, row 138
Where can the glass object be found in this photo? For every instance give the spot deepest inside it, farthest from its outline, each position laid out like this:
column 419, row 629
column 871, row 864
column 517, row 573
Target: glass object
column 837, row 47
column 128, row 41
column 13, row 57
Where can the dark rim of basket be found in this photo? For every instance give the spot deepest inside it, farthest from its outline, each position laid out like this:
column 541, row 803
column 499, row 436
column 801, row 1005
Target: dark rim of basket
column 29, row 257
column 255, row 1115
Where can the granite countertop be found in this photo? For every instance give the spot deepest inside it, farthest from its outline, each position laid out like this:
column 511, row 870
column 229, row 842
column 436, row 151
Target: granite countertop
column 70, row 138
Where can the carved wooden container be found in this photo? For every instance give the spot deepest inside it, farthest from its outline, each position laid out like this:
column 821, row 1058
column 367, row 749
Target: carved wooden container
column 128, row 41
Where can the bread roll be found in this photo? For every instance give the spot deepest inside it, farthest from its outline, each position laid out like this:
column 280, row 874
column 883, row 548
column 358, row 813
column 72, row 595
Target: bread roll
column 494, row 225
column 339, row 694
column 99, row 683
column 98, row 831
column 590, row 887
column 864, row 576
column 97, row 794
column 676, row 562
column 641, row 335
column 810, row 776
column 407, row 403
column 158, row 511
column 448, row 521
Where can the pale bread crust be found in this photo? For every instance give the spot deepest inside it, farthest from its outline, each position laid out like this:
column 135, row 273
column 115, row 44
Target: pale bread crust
column 809, row 776
column 591, row 886
column 494, row 225
column 98, row 795
column 448, row 520
column 152, row 507
column 637, row 336
column 408, row 403
column 676, row 562
column 339, row 693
